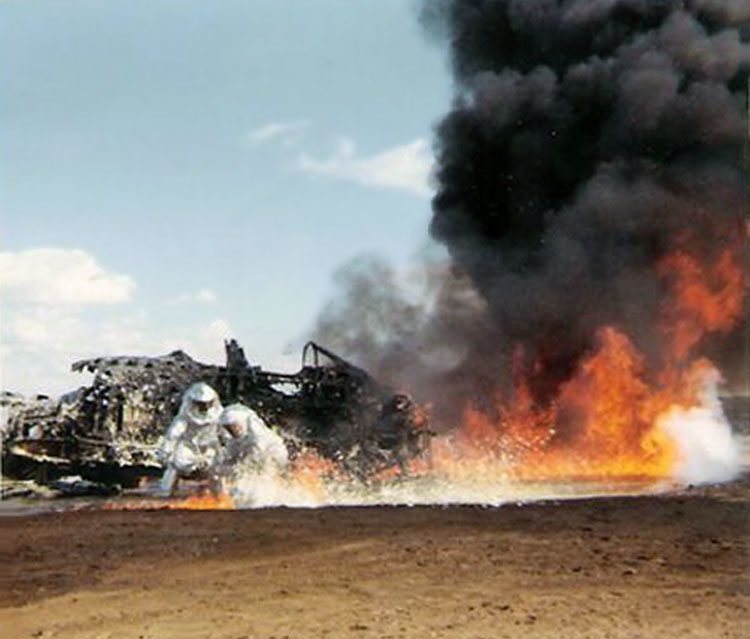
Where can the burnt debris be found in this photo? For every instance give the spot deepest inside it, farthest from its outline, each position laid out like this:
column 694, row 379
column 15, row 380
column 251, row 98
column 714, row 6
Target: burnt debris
column 110, row 431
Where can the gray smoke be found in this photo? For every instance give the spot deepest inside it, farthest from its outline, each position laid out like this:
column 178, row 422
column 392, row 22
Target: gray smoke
column 587, row 139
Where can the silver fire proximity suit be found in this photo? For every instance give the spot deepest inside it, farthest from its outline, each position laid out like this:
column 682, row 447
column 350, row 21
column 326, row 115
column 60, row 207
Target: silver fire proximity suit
column 247, row 440
column 190, row 447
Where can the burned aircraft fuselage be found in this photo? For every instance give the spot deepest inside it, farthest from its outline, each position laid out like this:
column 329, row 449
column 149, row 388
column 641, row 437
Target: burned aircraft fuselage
column 110, row 430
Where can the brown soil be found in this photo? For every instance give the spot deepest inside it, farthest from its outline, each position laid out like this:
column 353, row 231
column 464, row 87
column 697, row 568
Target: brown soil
column 671, row 566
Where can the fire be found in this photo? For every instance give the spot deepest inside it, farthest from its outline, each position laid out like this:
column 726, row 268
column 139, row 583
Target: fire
column 704, row 299
column 618, row 418
column 206, row 501
column 310, row 471
column 202, row 501
column 606, row 421
column 607, row 412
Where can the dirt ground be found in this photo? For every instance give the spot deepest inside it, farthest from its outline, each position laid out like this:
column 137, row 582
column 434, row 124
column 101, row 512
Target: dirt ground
column 667, row 566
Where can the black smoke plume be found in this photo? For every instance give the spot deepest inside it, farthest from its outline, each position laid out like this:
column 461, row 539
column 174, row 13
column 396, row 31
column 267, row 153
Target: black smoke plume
column 587, row 139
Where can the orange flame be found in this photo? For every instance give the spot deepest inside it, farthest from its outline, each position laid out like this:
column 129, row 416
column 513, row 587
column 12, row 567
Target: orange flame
column 704, row 299
column 311, row 471
column 202, row 501
column 605, row 421
column 207, row 501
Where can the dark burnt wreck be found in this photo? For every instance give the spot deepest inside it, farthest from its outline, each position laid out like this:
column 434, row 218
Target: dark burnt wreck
column 110, row 431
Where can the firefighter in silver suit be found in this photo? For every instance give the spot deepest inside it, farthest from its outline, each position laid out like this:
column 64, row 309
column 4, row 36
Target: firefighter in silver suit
column 191, row 448
column 246, row 440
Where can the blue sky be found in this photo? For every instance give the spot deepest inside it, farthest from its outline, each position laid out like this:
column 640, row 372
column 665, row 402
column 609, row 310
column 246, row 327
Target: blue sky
column 176, row 171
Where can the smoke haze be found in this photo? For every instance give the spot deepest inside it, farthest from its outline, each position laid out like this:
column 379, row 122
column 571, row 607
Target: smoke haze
column 588, row 139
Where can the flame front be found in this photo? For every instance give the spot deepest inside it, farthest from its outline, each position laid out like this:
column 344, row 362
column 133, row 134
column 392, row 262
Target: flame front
column 621, row 420
column 605, row 422
column 200, row 501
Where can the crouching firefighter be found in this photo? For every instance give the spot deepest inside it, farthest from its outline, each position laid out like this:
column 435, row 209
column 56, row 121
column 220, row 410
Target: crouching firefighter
column 247, row 441
column 191, row 448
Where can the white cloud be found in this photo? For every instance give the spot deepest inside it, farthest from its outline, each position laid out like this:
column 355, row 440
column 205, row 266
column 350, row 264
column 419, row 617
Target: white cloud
column 39, row 344
column 285, row 132
column 204, row 296
column 39, row 328
column 60, row 305
column 53, row 276
column 204, row 343
column 406, row 167
column 217, row 329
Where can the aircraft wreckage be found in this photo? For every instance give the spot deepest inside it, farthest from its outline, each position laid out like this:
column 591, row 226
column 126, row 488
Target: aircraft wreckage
column 109, row 432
